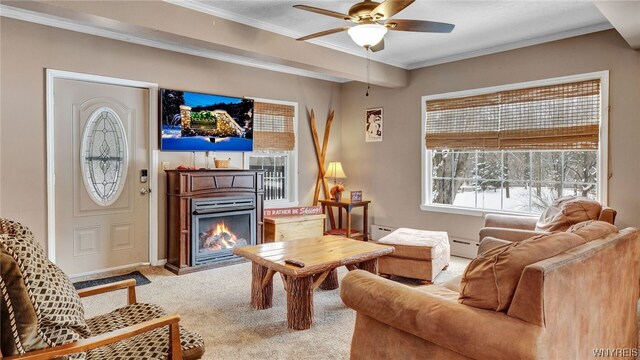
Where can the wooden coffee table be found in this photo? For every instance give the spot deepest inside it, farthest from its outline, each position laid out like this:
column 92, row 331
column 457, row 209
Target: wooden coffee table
column 321, row 256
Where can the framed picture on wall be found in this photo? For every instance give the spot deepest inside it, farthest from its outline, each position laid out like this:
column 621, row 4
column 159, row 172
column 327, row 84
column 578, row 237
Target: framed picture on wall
column 373, row 125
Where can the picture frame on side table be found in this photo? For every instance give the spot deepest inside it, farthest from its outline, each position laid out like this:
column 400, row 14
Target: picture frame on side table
column 356, row 196
column 373, row 125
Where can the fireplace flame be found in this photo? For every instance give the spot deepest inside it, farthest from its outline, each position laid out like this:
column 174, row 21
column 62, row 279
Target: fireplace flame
column 220, row 237
column 221, row 228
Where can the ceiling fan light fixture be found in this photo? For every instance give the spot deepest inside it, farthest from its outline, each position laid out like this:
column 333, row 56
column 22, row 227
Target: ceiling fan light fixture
column 367, row 35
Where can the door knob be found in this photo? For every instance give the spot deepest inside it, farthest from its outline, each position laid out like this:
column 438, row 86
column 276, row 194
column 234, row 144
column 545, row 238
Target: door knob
column 145, row 191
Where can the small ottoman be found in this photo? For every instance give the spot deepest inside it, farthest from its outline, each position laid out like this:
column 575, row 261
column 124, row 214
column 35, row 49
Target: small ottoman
column 419, row 254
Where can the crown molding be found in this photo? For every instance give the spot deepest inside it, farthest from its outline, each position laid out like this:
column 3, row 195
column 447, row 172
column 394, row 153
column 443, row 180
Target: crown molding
column 66, row 24
column 512, row 46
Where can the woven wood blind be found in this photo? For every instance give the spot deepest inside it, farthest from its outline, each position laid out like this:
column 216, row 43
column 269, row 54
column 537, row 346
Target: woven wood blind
column 562, row 116
column 273, row 126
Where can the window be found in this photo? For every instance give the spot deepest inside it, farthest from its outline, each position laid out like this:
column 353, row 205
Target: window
column 275, row 179
column 104, row 156
column 275, row 150
column 515, row 148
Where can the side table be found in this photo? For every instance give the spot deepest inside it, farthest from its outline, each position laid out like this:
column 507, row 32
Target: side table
column 328, row 205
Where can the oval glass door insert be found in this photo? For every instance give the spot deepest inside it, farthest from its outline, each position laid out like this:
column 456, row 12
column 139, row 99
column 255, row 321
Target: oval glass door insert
column 104, row 156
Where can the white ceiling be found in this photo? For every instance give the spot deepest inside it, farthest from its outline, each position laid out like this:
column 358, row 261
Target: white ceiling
column 482, row 27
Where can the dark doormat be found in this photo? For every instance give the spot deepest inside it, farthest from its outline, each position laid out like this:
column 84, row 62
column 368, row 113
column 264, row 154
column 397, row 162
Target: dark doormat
column 137, row 275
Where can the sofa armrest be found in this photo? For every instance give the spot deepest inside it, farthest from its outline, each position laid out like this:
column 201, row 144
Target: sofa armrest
column 507, row 234
column 608, row 214
column 489, row 243
column 472, row 332
column 510, row 221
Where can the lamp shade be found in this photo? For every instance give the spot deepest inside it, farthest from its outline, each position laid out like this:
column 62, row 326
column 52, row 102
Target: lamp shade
column 334, row 170
column 367, row 34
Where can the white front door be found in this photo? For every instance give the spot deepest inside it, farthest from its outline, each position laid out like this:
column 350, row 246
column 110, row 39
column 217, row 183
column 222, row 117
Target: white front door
column 101, row 195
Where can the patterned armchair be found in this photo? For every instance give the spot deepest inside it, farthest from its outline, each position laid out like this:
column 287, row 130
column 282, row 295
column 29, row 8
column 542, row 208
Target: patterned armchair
column 41, row 315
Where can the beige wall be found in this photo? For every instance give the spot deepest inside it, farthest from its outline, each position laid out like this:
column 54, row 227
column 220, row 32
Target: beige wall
column 389, row 172
column 28, row 49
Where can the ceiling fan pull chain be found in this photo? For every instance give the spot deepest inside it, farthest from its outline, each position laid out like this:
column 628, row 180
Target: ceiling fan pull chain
column 368, row 70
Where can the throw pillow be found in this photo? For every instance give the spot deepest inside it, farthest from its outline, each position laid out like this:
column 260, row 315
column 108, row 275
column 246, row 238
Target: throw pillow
column 52, row 298
column 490, row 280
column 592, row 229
column 567, row 211
column 18, row 321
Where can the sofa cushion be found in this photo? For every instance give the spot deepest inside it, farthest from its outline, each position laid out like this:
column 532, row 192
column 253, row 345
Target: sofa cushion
column 490, row 280
column 567, row 211
column 51, row 295
column 592, row 229
column 489, row 242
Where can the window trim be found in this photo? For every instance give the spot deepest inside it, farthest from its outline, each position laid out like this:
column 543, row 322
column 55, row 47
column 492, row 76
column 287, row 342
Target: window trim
column 293, row 174
column 603, row 145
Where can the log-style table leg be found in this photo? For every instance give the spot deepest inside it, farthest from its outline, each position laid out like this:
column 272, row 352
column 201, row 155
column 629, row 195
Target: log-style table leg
column 365, row 223
column 299, row 302
column 261, row 287
column 331, row 281
column 369, row 265
column 348, row 211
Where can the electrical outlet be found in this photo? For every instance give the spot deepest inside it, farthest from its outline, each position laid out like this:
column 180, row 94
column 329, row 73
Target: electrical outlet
column 165, row 165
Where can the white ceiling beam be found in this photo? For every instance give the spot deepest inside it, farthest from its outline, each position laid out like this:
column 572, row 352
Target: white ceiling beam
column 625, row 17
column 167, row 26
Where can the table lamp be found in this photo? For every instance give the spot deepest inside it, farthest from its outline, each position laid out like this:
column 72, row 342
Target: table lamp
column 334, row 170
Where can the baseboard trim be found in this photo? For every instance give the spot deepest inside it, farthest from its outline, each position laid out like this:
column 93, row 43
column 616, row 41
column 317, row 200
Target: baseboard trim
column 160, row 262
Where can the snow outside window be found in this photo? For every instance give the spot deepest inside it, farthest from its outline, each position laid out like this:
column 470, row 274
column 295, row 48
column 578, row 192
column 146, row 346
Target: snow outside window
column 515, row 148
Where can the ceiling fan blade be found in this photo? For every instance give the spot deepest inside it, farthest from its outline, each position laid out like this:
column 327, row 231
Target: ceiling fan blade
column 377, row 47
column 323, row 12
column 323, row 33
column 388, row 8
column 419, row 25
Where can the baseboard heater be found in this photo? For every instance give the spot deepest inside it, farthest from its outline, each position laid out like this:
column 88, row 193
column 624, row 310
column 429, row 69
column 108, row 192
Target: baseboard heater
column 377, row 232
column 459, row 247
column 464, row 248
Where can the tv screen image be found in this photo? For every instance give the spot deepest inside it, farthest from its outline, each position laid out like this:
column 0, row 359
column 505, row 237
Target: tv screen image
column 193, row 121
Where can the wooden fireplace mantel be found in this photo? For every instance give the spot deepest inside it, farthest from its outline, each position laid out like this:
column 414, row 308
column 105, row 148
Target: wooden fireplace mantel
column 185, row 185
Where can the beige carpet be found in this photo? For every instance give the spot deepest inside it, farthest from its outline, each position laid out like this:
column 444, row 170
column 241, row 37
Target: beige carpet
column 215, row 303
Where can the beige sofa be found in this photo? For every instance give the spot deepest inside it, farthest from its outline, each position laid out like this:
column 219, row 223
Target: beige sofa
column 563, row 213
column 564, row 307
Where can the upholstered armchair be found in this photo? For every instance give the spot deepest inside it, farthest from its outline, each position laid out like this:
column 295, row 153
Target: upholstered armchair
column 559, row 216
column 42, row 315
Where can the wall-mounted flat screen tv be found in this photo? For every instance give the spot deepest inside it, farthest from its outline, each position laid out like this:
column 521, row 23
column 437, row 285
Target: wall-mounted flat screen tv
column 193, row 121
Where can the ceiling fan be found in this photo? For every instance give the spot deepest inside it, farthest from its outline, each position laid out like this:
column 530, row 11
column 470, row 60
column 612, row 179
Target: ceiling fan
column 370, row 26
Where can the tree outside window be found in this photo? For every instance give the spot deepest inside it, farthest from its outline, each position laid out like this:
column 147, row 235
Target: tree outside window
column 519, row 181
column 516, row 148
